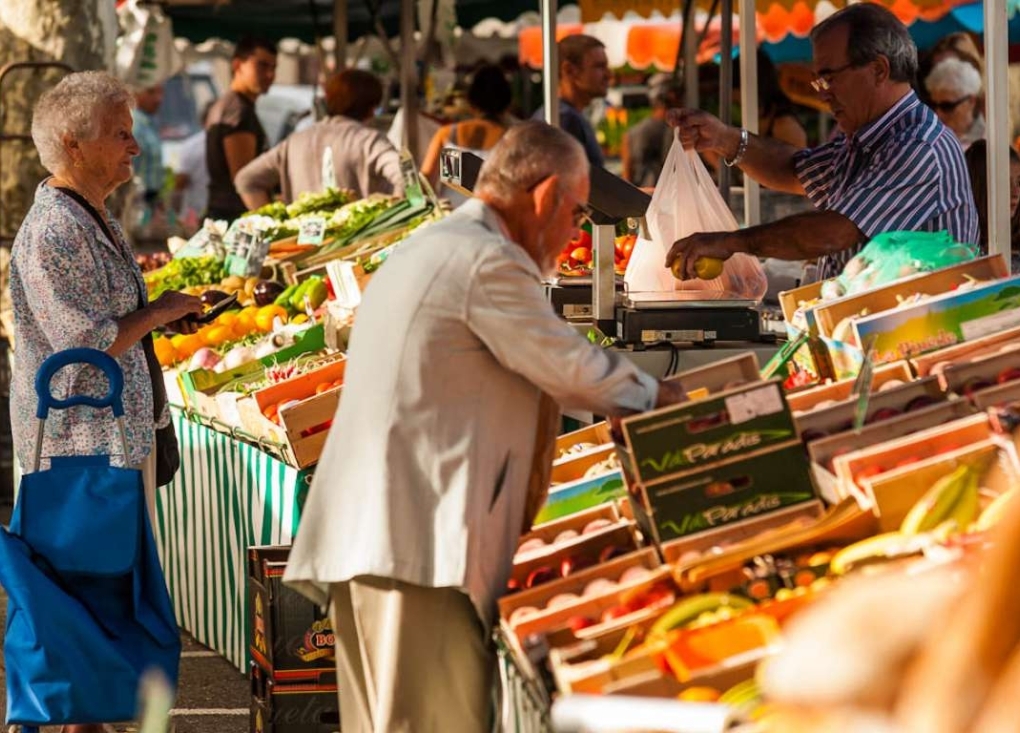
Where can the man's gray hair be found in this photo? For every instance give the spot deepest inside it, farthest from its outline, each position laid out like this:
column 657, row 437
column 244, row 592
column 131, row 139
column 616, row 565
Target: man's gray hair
column 954, row 76
column 873, row 31
column 75, row 107
column 525, row 155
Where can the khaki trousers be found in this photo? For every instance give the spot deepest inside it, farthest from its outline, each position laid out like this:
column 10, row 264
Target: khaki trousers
column 148, row 469
column 410, row 659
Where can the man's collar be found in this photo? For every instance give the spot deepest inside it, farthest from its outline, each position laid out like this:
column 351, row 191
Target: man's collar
column 873, row 130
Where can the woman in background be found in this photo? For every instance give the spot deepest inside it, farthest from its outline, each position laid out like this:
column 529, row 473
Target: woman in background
column 977, row 168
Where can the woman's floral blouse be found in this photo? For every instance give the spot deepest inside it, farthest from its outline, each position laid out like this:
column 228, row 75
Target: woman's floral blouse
column 69, row 286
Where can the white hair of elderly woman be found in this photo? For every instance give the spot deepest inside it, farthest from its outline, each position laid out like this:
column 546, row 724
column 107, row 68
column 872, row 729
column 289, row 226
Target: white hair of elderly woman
column 525, row 155
column 954, row 76
column 75, row 107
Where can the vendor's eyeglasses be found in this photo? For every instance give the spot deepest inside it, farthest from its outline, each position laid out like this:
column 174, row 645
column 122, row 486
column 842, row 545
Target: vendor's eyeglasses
column 823, row 79
column 949, row 106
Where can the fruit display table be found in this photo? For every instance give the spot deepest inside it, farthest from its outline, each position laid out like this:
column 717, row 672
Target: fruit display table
column 227, row 496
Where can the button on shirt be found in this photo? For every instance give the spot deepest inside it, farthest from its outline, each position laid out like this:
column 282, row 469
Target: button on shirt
column 903, row 172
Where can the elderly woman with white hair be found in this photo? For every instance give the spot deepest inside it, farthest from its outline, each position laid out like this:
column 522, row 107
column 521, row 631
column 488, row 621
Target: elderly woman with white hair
column 75, row 283
column 954, row 88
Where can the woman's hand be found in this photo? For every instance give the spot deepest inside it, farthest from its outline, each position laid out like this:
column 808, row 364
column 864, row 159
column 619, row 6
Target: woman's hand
column 174, row 307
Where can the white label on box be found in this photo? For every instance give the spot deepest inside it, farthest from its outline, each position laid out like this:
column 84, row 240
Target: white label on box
column 756, row 403
column 990, row 324
column 312, row 230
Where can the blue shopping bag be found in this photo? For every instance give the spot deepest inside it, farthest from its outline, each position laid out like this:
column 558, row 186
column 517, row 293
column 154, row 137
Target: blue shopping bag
column 88, row 610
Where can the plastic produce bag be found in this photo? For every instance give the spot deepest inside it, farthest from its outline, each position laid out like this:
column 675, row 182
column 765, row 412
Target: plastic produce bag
column 895, row 255
column 146, row 54
column 686, row 202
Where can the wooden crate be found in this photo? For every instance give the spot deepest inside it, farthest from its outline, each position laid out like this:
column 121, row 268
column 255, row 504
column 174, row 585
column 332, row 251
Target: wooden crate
column 719, row 376
column 828, row 315
column 790, row 300
column 912, row 448
column 549, row 531
column 574, row 467
column 596, row 435
column 302, row 448
column 805, row 400
column 969, row 377
column 1007, row 339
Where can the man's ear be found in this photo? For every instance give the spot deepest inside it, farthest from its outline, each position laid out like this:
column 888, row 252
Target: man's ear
column 882, row 72
column 545, row 196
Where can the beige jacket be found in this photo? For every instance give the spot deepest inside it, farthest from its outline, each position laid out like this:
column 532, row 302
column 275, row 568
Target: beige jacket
column 425, row 474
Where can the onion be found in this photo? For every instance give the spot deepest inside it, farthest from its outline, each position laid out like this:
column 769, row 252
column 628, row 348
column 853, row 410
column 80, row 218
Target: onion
column 237, row 356
column 204, row 358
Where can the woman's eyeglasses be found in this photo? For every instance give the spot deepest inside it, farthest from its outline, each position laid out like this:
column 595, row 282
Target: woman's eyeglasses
column 949, row 106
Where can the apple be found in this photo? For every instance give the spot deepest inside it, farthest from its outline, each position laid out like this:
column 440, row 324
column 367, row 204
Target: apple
column 615, row 612
column 1008, row 375
column 596, row 524
column 535, row 543
column 610, row 551
column 562, row 599
column 632, row 575
column 920, row 402
column 566, row 535
column 867, row 472
column 540, row 575
column 599, row 587
column 576, row 623
column 522, row 613
column 883, row 413
column 571, row 564
column 975, row 384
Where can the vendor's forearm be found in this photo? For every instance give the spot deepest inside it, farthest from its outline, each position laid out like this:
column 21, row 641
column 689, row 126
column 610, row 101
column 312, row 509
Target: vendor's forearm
column 254, row 199
column 770, row 163
column 801, row 236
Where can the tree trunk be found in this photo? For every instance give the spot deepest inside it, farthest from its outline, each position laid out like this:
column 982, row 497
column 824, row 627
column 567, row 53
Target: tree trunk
column 73, row 32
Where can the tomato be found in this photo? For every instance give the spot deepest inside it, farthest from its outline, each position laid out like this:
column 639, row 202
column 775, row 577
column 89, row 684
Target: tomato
column 581, row 254
column 581, row 239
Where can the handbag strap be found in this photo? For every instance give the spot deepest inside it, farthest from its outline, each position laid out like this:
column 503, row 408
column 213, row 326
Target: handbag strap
column 159, row 397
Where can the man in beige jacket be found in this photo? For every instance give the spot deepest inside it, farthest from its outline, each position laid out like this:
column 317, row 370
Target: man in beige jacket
column 441, row 448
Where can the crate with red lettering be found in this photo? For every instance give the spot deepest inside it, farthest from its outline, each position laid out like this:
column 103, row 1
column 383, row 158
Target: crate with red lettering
column 310, row 706
column 290, row 637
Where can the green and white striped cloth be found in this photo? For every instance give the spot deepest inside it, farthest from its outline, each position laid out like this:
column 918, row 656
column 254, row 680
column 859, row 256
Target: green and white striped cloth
column 228, row 496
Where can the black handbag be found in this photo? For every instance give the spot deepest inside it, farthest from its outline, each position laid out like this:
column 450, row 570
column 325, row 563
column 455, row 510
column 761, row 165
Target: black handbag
column 168, row 455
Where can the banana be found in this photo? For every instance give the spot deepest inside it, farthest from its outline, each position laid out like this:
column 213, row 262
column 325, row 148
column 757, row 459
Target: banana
column 744, row 696
column 937, row 503
column 687, row 610
column 886, row 546
column 994, row 511
column 968, row 505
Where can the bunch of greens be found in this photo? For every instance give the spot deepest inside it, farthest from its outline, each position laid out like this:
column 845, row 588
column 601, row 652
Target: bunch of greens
column 183, row 273
column 355, row 216
column 310, row 202
column 274, row 210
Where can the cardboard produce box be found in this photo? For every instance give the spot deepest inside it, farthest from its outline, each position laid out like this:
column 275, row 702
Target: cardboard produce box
column 690, row 435
column 301, row 707
column 897, row 372
column 724, row 492
column 584, row 493
column 993, row 343
column 968, row 378
column 289, row 636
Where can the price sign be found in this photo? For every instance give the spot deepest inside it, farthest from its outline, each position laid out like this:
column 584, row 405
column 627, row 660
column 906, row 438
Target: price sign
column 312, row 230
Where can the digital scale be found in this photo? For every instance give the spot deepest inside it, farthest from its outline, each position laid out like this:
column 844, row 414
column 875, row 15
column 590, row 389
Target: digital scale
column 634, row 319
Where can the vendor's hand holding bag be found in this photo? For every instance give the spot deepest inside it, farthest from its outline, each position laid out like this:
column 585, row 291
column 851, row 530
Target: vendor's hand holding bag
column 686, row 201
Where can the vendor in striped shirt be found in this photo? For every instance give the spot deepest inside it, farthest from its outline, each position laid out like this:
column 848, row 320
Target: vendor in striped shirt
column 894, row 165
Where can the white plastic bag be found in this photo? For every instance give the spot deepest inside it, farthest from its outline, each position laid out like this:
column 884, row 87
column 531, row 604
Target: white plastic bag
column 686, row 202
column 146, row 54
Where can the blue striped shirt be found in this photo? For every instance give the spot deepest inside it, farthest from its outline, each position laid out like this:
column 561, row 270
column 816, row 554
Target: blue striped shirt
column 903, row 172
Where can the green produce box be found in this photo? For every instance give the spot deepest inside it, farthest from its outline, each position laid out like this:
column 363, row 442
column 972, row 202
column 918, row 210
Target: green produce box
column 960, row 315
column 206, row 380
column 724, row 492
column 684, row 437
column 576, row 496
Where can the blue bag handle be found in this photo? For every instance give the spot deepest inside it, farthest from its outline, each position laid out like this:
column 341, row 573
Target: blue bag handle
column 99, row 359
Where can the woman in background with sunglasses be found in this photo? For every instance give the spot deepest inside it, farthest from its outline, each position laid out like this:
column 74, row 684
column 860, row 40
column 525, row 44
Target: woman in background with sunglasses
column 954, row 88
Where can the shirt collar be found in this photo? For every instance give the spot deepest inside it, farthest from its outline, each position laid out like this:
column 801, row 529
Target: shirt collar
column 876, row 129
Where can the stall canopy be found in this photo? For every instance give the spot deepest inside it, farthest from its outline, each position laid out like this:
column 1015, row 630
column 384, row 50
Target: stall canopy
column 198, row 20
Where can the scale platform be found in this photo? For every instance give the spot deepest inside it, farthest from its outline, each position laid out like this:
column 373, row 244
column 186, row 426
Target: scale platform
column 702, row 317
column 571, row 297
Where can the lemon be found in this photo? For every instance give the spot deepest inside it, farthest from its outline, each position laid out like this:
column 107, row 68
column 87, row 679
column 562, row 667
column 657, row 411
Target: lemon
column 706, row 268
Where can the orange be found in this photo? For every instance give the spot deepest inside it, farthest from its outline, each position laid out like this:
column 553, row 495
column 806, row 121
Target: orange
column 245, row 322
column 216, row 335
column 701, row 693
column 165, row 351
column 266, row 314
column 189, row 345
column 227, row 319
